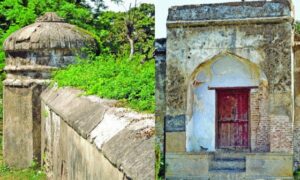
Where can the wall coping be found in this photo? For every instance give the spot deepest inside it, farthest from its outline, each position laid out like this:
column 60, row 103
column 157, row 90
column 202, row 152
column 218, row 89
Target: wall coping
column 246, row 153
column 231, row 10
column 194, row 23
column 125, row 137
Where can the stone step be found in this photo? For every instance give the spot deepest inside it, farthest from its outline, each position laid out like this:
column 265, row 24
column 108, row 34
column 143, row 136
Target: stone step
column 227, row 170
column 231, row 164
column 230, row 156
column 227, row 175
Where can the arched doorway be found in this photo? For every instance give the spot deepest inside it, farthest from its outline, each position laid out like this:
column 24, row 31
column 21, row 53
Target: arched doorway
column 218, row 113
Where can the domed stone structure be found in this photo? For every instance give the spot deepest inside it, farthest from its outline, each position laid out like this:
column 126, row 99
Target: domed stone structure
column 45, row 45
column 31, row 54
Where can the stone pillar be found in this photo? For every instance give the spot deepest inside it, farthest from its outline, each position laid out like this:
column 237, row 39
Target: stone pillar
column 31, row 54
column 22, row 119
column 160, row 98
column 296, row 138
column 160, row 79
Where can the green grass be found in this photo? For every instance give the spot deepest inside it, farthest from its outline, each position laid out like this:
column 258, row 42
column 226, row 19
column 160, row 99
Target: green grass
column 297, row 175
column 159, row 163
column 297, row 27
column 127, row 80
column 32, row 173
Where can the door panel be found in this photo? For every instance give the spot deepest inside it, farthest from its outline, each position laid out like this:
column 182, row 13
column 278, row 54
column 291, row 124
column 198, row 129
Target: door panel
column 232, row 118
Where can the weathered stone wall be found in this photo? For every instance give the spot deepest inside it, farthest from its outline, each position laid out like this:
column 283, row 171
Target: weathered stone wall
column 254, row 116
column 160, row 80
column 271, row 165
column 263, row 38
column 232, row 10
column 183, row 165
column 230, row 45
column 260, row 125
column 296, row 140
column 19, row 131
column 91, row 138
column 189, row 47
column 31, row 54
column 281, row 134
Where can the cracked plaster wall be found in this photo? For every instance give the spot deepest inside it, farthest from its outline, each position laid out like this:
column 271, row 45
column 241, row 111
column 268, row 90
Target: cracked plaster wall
column 268, row 46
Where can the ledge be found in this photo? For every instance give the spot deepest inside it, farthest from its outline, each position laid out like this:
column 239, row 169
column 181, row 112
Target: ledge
column 231, row 10
column 270, row 20
column 38, row 68
column 25, row 82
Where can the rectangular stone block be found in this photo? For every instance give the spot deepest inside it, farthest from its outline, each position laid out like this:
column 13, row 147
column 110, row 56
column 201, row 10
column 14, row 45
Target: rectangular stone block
column 269, row 164
column 233, row 10
column 22, row 125
column 187, row 165
column 18, row 127
column 175, row 141
column 281, row 134
column 175, row 123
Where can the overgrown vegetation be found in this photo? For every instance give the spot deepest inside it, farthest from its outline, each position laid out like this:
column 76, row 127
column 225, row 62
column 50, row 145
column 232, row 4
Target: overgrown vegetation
column 32, row 173
column 119, row 72
column 109, row 73
column 159, row 163
column 129, row 80
column 109, row 28
column 297, row 27
column 120, row 78
column 297, row 175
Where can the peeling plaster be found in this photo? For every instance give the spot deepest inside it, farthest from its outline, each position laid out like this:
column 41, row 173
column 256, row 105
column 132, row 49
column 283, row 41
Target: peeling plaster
column 224, row 70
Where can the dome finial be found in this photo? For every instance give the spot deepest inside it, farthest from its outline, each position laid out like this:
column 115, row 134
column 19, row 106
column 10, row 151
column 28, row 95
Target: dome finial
column 50, row 17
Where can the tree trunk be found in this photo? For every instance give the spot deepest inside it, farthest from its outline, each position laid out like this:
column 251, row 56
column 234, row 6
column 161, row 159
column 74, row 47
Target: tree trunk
column 131, row 42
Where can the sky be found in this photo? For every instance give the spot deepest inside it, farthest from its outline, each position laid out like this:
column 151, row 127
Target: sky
column 126, row 4
column 161, row 10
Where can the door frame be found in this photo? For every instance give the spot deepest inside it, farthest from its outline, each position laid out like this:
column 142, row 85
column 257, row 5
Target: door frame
column 248, row 147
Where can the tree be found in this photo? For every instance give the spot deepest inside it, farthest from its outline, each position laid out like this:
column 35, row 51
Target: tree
column 129, row 25
column 15, row 14
column 139, row 22
column 108, row 27
column 297, row 27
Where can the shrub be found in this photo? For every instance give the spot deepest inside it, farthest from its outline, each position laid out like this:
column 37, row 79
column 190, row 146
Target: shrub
column 112, row 77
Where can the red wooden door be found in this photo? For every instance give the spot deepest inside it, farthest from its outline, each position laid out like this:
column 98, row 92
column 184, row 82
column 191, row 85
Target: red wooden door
column 232, row 118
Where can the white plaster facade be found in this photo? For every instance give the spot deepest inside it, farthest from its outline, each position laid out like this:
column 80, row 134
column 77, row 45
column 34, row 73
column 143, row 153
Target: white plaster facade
column 224, row 70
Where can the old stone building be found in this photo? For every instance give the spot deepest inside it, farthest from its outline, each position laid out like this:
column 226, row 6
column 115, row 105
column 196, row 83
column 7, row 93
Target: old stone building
column 31, row 54
column 72, row 136
column 229, row 97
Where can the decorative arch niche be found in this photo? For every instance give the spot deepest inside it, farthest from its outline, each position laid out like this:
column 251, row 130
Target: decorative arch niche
column 225, row 70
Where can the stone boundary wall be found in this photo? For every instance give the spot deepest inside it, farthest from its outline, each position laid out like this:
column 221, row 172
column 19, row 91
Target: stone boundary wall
column 85, row 137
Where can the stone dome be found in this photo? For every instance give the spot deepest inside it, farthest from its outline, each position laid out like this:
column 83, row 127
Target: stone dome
column 48, row 32
column 35, row 50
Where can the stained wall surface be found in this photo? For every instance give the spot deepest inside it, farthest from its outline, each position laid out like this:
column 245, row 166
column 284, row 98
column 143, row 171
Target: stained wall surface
column 160, row 86
column 31, row 54
column 91, row 138
column 222, row 71
column 262, row 40
column 296, row 140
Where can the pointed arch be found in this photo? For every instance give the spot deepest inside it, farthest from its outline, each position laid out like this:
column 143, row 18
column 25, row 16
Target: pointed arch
column 225, row 69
